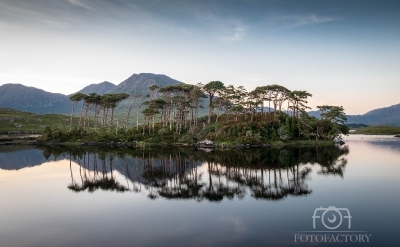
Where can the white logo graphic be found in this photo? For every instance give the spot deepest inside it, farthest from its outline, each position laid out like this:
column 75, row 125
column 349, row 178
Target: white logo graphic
column 332, row 217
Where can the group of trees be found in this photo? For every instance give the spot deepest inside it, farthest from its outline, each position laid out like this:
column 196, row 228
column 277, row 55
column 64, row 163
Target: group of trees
column 239, row 100
column 175, row 109
column 178, row 104
column 99, row 104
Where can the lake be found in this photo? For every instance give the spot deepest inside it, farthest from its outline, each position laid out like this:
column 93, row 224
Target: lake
column 185, row 197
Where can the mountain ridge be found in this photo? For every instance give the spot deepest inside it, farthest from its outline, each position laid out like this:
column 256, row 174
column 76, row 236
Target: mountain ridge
column 140, row 83
column 389, row 115
column 31, row 99
column 99, row 88
column 39, row 101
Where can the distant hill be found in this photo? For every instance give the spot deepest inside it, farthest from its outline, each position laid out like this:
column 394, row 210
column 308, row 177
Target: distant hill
column 31, row 99
column 99, row 88
column 356, row 125
column 381, row 116
column 314, row 113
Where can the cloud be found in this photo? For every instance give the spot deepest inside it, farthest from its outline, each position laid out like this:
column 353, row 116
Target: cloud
column 80, row 4
column 228, row 28
column 29, row 13
column 15, row 10
column 293, row 21
column 185, row 31
column 302, row 20
column 5, row 25
column 238, row 32
column 55, row 24
column 233, row 226
column 254, row 79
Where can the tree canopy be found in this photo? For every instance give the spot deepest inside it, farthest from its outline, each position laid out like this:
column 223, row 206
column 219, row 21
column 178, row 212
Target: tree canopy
column 234, row 113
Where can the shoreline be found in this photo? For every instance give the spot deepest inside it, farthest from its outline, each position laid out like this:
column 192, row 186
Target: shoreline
column 142, row 144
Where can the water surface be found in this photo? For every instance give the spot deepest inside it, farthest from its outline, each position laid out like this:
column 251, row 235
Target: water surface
column 187, row 197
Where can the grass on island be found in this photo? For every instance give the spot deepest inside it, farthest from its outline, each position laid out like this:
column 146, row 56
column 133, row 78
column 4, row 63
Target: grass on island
column 378, row 130
column 27, row 122
column 356, row 125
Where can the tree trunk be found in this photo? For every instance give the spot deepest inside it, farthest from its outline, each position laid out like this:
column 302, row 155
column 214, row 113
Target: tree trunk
column 269, row 106
column 210, row 110
column 80, row 118
column 127, row 118
column 112, row 117
column 72, row 114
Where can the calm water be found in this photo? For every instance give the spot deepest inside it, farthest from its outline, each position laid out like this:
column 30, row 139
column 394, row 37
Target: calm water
column 186, row 197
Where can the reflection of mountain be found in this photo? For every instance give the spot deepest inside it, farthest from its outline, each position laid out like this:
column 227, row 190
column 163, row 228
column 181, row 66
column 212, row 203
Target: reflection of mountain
column 393, row 145
column 15, row 158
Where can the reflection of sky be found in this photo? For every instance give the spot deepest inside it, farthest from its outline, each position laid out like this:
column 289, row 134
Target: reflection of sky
column 389, row 143
column 41, row 211
column 329, row 48
column 369, row 187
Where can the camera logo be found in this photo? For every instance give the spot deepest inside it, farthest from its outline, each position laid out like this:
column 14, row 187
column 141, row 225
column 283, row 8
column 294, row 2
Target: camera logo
column 332, row 217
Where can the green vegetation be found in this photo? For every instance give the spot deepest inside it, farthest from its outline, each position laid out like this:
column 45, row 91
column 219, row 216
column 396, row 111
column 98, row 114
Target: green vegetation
column 170, row 115
column 25, row 122
column 227, row 131
column 356, row 125
column 378, row 130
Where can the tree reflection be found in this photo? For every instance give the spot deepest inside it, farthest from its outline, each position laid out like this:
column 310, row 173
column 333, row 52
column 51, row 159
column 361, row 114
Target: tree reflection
column 188, row 174
column 92, row 180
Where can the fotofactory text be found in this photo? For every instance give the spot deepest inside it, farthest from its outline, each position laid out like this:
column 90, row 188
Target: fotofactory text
column 332, row 225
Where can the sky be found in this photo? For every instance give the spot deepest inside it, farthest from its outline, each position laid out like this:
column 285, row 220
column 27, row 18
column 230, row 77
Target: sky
column 344, row 52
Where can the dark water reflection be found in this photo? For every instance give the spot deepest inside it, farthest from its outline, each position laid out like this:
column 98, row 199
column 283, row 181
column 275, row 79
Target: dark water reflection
column 269, row 174
column 187, row 197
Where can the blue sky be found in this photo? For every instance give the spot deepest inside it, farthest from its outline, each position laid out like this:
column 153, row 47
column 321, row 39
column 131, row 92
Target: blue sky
column 343, row 52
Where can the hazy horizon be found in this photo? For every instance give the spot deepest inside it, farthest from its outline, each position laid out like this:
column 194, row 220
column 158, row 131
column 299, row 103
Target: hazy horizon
column 343, row 52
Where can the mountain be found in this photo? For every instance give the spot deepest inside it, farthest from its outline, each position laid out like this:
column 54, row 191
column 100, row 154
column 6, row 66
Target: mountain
column 31, row 99
column 381, row 116
column 314, row 113
column 140, row 83
column 99, row 88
